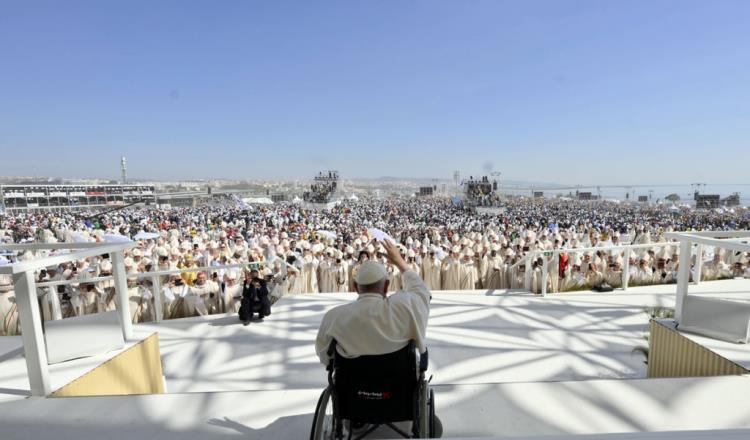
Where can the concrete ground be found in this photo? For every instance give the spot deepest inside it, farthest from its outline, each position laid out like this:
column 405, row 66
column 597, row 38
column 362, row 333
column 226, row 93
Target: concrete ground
column 504, row 364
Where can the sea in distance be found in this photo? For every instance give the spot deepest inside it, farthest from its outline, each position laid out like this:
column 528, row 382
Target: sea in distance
column 655, row 192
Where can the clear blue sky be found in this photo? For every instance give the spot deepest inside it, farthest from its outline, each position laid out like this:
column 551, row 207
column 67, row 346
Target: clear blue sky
column 568, row 91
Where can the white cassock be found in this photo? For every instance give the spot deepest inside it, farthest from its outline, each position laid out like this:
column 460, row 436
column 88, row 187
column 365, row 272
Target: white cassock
column 573, row 281
column 309, row 275
column 469, row 275
column 536, row 280
column 643, row 276
column 138, row 301
column 50, row 306
column 594, row 277
column 324, row 276
column 450, row 274
column 351, row 264
column 341, row 277
column 294, row 279
column 483, row 268
column 9, row 324
column 613, row 278
column 431, row 272
column 199, row 299
column 174, row 301
column 495, row 273
column 393, row 278
column 232, row 298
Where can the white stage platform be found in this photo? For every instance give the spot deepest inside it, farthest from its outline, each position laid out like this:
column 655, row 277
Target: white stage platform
column 504, row 364
column 467, row 411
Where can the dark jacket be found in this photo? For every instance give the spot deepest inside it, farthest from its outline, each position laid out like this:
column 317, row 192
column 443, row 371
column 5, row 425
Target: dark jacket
column 255, row 299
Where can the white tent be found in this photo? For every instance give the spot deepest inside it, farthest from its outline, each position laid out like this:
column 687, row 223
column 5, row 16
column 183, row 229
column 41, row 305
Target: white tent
column 146, row 235
column 116, row 238
column 258, row 200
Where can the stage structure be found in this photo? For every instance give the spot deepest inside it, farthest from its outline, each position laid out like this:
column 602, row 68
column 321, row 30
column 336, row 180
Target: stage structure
column 707, row 201
column 480, row 195
column 426, row 191
column 46, row 197
column 732, row 200
column 323, row 191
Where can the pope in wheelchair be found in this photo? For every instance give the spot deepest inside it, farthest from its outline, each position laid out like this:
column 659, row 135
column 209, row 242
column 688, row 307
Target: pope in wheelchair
column 374, row 352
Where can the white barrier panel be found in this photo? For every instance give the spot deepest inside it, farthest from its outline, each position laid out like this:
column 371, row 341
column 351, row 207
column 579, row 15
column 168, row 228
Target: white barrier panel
column 726, row 320
column 83, row 336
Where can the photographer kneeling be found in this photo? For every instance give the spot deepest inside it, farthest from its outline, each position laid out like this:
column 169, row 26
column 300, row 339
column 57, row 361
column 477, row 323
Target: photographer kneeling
column 254, row 298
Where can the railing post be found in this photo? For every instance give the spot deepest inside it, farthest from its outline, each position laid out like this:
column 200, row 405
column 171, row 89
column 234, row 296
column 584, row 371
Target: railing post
column 527, row 273
column 56, row 307
column 683, row 279
column 544, row 275
column 626, row 269
column 158, row 305
column 698, row 263
column 121, row 290
column 556, row 273
column 32, row 335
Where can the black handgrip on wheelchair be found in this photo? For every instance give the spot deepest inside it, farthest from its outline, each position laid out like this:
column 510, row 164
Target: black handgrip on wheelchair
column 423, row 361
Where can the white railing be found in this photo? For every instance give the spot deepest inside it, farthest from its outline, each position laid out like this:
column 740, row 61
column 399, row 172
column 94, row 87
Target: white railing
column 26, row 294
column 155, row 277
column 732, row 240
column 24, row 287
column 554, row 255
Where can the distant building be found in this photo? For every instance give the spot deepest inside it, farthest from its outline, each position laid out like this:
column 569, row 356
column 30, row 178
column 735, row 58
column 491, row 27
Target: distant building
column 25, row 197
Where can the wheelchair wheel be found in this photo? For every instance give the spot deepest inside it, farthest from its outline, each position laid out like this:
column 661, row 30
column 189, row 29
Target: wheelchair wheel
column 431, row 415
column 424, row 411
column 323, row 426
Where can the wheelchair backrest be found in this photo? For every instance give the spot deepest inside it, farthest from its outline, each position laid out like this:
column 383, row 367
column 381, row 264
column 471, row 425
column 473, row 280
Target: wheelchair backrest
column 376, row 388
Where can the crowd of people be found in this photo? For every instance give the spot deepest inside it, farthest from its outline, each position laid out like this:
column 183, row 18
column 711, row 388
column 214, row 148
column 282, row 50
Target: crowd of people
column 297, row 251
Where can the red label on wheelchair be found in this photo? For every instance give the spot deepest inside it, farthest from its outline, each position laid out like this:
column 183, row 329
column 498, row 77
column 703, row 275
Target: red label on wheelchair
column 374, row 395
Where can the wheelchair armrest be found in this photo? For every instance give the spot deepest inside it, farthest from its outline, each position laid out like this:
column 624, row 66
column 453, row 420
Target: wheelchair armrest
column 331, row 348
column 423, row 361
column 331, row 352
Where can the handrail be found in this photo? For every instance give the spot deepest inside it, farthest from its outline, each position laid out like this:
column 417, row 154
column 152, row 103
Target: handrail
column 29, row 315
column 89, row 251
column 686, row 240
column 50, row 246
column 710, row 234
column 555, row 253
column 724, row 243
column 141, row 275
column 522, row 260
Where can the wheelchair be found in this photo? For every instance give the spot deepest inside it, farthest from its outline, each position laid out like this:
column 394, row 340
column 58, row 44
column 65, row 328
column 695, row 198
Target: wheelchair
column 368, row 392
